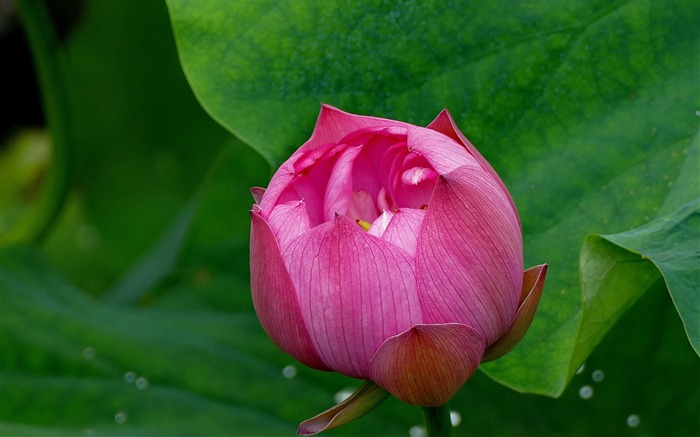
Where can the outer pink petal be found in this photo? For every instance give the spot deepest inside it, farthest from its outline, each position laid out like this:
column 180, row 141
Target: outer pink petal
column 441, row 151
column 333, row 125
column 288, row 221
column 274, row 297
column 427, row 364
column 445, row 124
column 355, row 291
column 404, row 228
column 469, row 258
column 533, row 283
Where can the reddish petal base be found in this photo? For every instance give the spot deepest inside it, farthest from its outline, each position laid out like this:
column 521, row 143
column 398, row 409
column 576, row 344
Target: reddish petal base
column 426, row 364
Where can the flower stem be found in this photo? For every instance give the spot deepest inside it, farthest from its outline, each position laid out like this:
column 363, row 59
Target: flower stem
column 437, row 421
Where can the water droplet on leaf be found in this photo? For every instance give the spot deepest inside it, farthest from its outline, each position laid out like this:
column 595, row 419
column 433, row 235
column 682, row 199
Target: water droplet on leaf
column 417, row 431
column 142, row 383
column 597, row 375
column 343, row 394
column 586, row 392
column 120, row 417
column 633, row 421
column 455, row 418
column 289, row 372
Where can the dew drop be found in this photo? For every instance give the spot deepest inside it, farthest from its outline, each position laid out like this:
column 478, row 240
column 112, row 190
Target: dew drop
column 581, row 369
column 142, row 383
column 697, row 113
column 289, row 371
column 455, row 418
column 597, row 375
column 586, row 392
column 417, row 431
column 120, row 417
column 633, row 421
column 342, row 395
column 89, row 353
column 130, row 377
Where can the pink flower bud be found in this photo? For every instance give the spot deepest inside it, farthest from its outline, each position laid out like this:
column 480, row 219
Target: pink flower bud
column 392, row 253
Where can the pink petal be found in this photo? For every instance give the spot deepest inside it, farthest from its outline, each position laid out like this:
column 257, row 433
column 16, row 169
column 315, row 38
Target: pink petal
column 274, row 297
column 469, row 258
column 427, row 364
column 257, row 193
column 355, row 291
column 288, row 221
column 404, row 228
column 533, row 283
column 379, row 225
column 339, row 189
column 333, row 125
column 441, row 151
column 444, row 123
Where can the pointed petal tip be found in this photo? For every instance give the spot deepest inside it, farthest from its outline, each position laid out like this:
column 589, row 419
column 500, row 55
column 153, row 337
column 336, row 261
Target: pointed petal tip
column 364, row 400
column 257, row 193
column 533, row 284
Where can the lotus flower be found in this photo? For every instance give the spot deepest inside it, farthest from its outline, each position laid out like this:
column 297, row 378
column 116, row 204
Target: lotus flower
column 391, row 253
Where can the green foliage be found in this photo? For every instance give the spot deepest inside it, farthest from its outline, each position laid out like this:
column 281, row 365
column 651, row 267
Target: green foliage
column 587, row 110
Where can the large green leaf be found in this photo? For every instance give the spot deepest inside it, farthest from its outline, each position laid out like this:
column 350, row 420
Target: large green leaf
column 140, row 142
column 588, row 110
column 672, row 244
column 71, row 366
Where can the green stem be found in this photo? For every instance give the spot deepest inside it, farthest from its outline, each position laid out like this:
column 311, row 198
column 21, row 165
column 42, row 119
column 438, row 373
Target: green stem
column 437, row 421
column 44, row 46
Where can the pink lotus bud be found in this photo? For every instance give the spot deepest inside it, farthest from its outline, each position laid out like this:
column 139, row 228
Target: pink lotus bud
column 392, row 253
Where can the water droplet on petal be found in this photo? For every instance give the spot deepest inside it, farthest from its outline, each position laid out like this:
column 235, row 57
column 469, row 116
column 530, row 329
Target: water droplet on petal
column 633, row 421
column 130, row 377
column 89, row 353
column 597, row 375
column 586, row 392
column 289, row 372
column 581, row 369
column 417, row 431
column 142, row 383
column 455, row 418
column 342, row 395
column 120, row 417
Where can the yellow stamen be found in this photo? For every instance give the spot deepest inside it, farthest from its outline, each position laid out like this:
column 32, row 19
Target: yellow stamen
column 363, row 224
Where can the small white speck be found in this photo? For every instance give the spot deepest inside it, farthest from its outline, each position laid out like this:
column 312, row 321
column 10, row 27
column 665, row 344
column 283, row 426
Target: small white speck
column 581, row 368
column 633, row 421
column 120, row 417
column 597, row 375
column 141, row 383
column 417, row 431
column 455, row 418
column 289, row 372
column 586, row 392
column 342, row 395
column 130, row 377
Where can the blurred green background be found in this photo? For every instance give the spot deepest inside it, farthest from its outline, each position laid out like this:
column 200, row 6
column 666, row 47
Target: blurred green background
column 126, row 309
